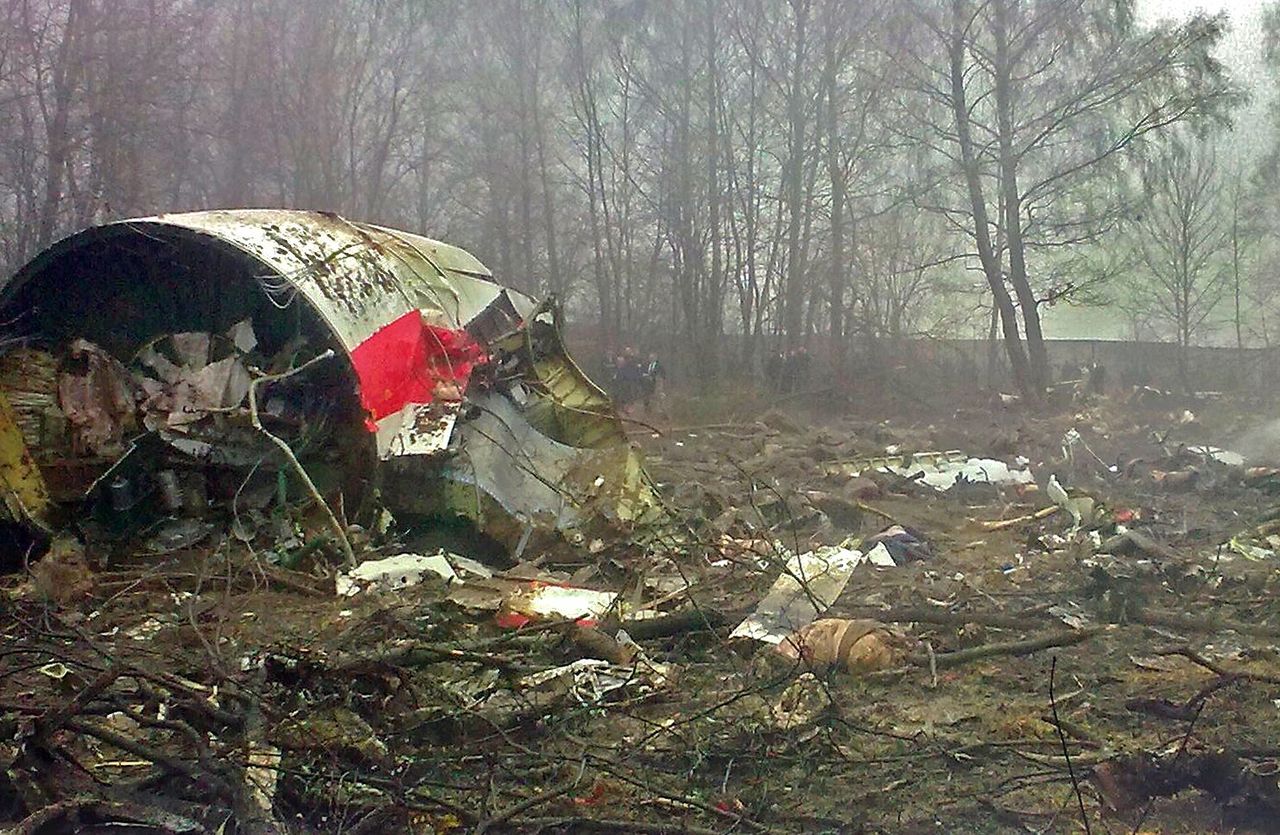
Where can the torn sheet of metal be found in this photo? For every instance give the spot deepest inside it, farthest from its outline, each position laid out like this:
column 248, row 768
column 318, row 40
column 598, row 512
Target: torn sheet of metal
column 542, row 601
column 99, row 398
column 588, row 680
column 1222, row 456
column 412, row 375
column 395, row 572
column 942, row 470
column 509, row 477
column 808, row 586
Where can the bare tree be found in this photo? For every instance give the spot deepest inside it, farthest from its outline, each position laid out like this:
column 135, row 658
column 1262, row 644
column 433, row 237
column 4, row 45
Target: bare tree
column 1184, row 241
column 682, row 172
column 1040, row 101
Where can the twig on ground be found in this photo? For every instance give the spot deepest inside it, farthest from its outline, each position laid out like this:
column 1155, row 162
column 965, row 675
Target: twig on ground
column 1066, row 753
column 866, row 508
column 57, row 718
column 510, row 812
column 1004, row 524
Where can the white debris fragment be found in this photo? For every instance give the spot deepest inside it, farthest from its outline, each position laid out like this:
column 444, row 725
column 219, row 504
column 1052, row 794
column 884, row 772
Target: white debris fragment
column 545, row 602
column 1222, row 456
column 242, row 336
column 397, row 572
column 941, row 470
column 808, row 585
column 145, row 630
column 466, row 565
column 879, row 556
column 943, row 475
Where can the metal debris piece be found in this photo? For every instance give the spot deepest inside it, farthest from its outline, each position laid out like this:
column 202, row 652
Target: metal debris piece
column 1222, row 456
column 553, row 602
column 23, row 494
column 942, row 470
column 98, row 396
column 588, row 680
column 808, row 585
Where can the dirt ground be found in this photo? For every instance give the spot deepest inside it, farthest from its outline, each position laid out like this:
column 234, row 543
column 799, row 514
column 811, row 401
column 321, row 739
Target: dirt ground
column 1044, row 675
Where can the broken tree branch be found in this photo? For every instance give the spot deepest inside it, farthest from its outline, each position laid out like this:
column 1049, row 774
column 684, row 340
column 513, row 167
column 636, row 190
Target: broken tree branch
column 1004, row 524
column 1066, row 753
column 1013, row 620
column 525, row 805
column 692, row 620
column 57, row 718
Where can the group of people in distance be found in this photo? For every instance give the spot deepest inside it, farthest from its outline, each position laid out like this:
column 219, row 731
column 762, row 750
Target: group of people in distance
column 632, row 380
column 788, row 371
column 1093, row 375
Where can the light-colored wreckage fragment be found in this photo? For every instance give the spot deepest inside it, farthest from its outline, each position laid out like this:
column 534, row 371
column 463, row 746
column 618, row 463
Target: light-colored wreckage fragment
column 808, row 585
column 941, row 470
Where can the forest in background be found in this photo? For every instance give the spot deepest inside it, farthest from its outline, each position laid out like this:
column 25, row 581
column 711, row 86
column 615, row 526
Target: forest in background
column 680, row 171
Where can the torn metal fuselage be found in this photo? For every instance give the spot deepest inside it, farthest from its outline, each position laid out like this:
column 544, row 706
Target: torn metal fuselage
column 537, row 447
column 471, row 405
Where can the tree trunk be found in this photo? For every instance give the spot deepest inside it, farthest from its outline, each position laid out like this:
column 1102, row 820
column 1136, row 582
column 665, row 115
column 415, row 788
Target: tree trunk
column 1038, row 357
column 66, row 74
column 793, row 185
column 978, row 208
column 835, row 171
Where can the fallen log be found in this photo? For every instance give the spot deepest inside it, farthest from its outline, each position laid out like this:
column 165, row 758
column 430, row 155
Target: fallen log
column 692, row 620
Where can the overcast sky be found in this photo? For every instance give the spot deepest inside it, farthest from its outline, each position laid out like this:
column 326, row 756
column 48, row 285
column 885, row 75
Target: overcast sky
column 1163, row 8
column 1241, row 51
column 1252, row 136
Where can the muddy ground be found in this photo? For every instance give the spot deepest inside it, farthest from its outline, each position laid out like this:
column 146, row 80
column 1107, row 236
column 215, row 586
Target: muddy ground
column 1044, row 676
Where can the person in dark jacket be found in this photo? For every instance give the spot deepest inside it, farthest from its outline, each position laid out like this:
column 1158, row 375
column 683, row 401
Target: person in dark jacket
column 802, row 363
column 628, row 380
column 773, row 371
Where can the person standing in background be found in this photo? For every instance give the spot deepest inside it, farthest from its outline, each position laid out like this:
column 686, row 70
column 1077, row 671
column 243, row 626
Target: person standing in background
column 654, row 379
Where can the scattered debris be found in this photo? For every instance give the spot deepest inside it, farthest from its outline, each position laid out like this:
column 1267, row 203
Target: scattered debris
column 460, row 388
column 528, row 636
column 1222, row 456
column 537, row 601
column 901, row 545
column 943, row 470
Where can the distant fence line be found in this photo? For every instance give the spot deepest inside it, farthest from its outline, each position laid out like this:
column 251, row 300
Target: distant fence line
column 972, row 363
